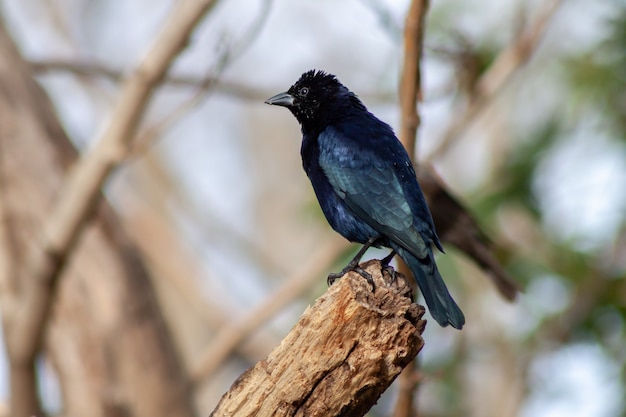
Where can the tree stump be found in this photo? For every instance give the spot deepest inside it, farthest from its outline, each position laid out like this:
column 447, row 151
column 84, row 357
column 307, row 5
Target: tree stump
column 339, row 357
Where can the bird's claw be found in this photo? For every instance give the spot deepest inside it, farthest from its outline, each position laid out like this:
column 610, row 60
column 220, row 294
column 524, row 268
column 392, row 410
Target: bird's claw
column 391, row 271
column 368, row 277
column 334, row 276
column 388, row 268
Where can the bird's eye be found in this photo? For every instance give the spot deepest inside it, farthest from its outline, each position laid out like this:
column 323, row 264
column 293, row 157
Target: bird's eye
column 303, row 91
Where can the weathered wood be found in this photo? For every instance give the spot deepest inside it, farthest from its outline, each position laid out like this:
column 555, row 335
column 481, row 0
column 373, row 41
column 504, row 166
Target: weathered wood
column 339, row 357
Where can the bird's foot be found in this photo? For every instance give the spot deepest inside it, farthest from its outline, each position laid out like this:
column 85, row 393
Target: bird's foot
column 368, row 277
column 388, row 268
column 334, row 276
column 391, row 271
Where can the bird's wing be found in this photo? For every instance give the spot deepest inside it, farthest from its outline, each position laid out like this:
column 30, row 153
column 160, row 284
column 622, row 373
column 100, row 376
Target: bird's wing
column 374, row 186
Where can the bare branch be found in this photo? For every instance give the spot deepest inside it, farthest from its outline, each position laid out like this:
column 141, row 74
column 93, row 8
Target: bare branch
column 95, row 69
column 8, row 256
column 410, row 84
column 177, row 270
column 36, row 154
column 507, row 63
column 410, row 96
column 408, row 383
column 81, row 191
column 241, row 91
column 456, row 226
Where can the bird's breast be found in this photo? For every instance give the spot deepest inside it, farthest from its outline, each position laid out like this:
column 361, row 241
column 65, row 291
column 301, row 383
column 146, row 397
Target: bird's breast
column 340, row 217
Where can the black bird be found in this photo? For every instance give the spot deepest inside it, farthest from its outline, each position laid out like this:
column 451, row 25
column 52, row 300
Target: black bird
column 365, row 183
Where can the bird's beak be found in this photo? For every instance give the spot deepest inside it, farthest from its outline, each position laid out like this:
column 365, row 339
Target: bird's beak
column 282, row 99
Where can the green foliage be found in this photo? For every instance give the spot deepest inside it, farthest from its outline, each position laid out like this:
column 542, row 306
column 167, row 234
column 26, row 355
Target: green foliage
column 597, row 77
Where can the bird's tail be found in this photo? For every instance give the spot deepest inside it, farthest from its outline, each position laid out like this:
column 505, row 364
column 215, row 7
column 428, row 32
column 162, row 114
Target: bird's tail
column 440, row 303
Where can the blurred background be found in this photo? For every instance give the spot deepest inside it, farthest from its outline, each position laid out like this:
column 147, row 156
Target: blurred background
column 214, row 198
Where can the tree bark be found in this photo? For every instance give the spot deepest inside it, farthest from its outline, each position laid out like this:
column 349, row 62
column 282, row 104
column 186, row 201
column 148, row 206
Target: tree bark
column 340, row 356
column 105, row 336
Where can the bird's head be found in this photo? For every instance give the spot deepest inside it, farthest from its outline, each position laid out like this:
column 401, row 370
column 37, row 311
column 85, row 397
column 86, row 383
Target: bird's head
column 316, row 98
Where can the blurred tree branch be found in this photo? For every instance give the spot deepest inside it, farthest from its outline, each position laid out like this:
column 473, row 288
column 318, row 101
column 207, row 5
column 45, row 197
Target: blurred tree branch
column 509, row 61
column 456, row 226
column 339, row 357
column 238, row 90
column 410, row 93
column 97, row 69
column 146, row 137
column 209, row 223
column 82, row 189
column 104, row 322
column 176, row 269
column 410, row 90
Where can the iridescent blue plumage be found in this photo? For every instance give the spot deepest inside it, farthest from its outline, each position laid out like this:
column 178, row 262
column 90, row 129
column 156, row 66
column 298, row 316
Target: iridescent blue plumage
column 365, row 182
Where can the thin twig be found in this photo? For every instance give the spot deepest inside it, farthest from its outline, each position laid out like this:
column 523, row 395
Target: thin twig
column 146, row 138
column 499, row 74
column 232, row 334
column 82, row 189
column 234, row 89
column 97, row 69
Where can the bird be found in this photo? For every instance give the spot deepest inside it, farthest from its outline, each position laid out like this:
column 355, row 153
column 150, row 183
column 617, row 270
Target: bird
column 366, row 185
